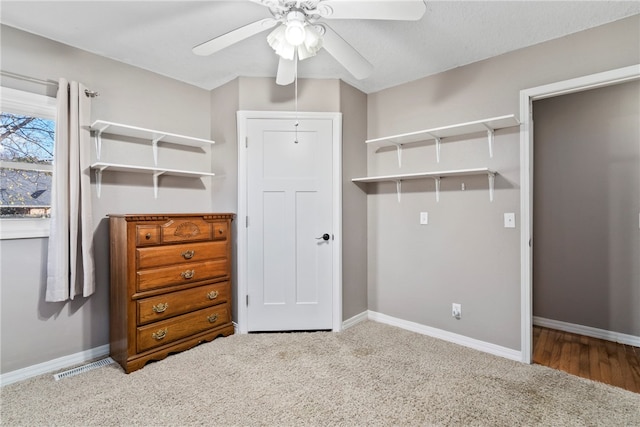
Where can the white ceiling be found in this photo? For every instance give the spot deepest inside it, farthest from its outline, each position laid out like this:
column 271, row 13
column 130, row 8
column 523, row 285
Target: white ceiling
column 158, row 35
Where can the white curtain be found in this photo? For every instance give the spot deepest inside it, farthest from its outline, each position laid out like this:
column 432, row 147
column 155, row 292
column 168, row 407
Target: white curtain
column 70, row 266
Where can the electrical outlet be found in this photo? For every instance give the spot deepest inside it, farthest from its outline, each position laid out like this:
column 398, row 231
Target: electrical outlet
column 509, row 220
column 456, row 310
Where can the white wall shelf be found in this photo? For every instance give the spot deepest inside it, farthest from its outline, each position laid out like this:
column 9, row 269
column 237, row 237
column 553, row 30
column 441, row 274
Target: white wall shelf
column 153, row 136
column 100, row 127
column 489, row 125
column 155, row 171
column 437, row 175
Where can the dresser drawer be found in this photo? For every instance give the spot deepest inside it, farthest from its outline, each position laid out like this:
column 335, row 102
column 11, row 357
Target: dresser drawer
column 167, row 331
column 186, row 230
column 172, row 304
column 162, row 277
column 220, row 231
column 147, row 235
column 175, row 254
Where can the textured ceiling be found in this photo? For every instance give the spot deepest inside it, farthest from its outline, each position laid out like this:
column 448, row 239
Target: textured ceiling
column 158, row 35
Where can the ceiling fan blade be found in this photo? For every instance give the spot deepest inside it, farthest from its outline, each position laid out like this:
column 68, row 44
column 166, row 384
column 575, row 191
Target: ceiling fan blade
column 272, row 4
column 234, row 36
column 286, row 71
column 392, row 10
column 345, row 54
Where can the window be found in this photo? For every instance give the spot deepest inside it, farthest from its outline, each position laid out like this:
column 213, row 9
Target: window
column 27, row 128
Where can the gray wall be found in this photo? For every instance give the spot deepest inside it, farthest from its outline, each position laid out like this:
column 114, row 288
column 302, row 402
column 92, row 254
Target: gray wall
column 353, row 105
column 34, row 331
column 465, row 255
column 587, row 200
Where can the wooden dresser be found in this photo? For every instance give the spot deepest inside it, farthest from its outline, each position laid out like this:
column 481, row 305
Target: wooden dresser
column 170, row 284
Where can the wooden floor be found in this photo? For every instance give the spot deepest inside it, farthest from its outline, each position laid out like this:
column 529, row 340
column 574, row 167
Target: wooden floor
column 596, row 359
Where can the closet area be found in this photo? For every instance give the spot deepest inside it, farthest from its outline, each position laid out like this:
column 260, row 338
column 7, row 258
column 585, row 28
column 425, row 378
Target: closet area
column 586, row 233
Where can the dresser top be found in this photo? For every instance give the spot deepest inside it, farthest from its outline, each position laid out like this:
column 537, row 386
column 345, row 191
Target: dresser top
column 166, row 216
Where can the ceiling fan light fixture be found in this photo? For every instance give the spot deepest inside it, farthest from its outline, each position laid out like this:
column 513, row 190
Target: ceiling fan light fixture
column 295, row 36
column 279, row 43
column 295, row 33
column 276, row 37
column 311, row 45
column 313, row 38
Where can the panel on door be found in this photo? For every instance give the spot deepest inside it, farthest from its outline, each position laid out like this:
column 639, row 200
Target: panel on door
column 290, row 208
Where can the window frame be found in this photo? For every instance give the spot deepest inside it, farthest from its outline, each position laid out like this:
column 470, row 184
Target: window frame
column 32, row 104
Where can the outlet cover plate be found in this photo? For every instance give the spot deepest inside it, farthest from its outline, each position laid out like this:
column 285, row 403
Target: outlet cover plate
column 509, row 220
column 456, row 310
column 424, row 218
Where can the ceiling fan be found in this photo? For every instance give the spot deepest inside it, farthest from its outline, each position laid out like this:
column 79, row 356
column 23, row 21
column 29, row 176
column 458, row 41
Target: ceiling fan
column 300, row 31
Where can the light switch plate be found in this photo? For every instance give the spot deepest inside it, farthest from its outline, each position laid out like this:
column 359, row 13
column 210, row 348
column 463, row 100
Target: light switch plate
column 424, row 218
column 509, row 220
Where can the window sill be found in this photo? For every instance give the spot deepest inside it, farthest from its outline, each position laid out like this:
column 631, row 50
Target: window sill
column 24, row 228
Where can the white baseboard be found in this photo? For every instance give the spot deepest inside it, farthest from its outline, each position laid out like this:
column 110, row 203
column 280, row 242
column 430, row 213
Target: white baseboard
column 587, row 331
column 486, row 347
column 54, row 365
column 358, row 318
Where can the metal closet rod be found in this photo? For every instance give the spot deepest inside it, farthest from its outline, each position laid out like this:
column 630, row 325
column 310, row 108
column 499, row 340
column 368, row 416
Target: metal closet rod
column 89, row 93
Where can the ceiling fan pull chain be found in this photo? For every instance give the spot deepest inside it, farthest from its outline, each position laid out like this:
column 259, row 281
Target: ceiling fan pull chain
column 295, row 70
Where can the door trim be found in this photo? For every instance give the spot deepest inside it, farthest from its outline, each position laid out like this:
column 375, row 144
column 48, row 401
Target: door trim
column 527, row 96
column 241, row 239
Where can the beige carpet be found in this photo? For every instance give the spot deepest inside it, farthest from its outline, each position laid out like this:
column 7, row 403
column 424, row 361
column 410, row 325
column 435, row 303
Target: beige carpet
column 371, row 374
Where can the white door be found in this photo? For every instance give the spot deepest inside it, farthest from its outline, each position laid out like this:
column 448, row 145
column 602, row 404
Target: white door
column 289, row 228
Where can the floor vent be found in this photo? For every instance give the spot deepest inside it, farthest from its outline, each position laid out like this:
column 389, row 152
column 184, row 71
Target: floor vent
column 81, row 369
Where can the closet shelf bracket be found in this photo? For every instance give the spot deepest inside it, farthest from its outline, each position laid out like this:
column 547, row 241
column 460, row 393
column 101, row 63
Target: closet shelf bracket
column 490, row 136
column 154, row 148
column 155, row 183
column 399, row 151
column 492, row 180
column 437, row 181
column 399, row 189
column 98, row 140
column 438, row 143
column 99, row 180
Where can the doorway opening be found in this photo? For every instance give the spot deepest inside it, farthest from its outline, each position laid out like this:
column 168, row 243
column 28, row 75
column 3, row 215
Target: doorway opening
column 585, row 228
column 527, row 97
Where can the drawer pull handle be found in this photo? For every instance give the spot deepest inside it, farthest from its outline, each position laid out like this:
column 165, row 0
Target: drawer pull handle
column 212, row 318
column 147, row 236
column 188, row 274
column 188, row 254
column 160, row 308
column 220, row 231
column 212, row 295
column 160, row 334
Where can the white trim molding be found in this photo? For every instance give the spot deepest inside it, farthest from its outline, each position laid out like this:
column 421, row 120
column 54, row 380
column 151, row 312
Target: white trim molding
column 353, row 321
column 587, row 331
column 54, row 365
column 20, row 102
column 465, row 341
column 24, row 228
column 527, row 96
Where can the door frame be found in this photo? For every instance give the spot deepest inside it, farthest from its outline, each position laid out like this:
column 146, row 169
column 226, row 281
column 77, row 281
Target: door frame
column 241, row 240
column 527, row 96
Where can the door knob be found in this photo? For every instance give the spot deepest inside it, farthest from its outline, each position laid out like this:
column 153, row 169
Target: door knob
column 325, row 236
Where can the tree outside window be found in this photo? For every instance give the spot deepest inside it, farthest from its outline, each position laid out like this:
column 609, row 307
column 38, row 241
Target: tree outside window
column 26, row 158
